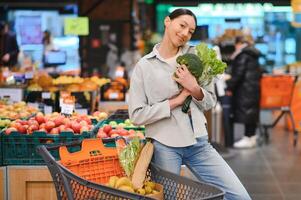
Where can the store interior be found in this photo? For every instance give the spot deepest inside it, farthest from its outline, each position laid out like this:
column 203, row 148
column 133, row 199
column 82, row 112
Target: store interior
column 74, row 63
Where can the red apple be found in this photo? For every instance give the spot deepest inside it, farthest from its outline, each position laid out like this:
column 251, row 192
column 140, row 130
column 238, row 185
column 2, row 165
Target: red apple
column 113, row 131
column 32, row 122
column 76, row 127
column 40, row 118
column 107, row 129
column 49, row 125
column 114, row 135
column 9, row 130
column 84, row 129
column 59, row 120
column 54, row 131
column 62, row 128
column 102, row 135
column 123, row 132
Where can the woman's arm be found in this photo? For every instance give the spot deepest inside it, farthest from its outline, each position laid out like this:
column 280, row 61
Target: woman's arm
column 140, row 111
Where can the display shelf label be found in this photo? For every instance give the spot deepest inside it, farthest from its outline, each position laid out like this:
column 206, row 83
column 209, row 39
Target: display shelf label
column 113, row 95
column 12, row 94
column 35, row 105
column 76, row 26
column 46, row 95
column 82, row 111
column 28, row 75
column 67, row 109
column 47, row 109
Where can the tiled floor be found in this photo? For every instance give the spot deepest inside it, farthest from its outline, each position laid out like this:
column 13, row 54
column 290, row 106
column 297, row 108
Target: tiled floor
column 272, row 171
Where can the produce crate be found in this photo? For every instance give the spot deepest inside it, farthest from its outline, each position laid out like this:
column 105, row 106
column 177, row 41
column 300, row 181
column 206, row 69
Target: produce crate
column 70, row 186
column 19, row 149
column 118, row 121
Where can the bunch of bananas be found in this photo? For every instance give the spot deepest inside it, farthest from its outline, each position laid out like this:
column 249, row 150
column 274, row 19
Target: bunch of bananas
column 125, row 184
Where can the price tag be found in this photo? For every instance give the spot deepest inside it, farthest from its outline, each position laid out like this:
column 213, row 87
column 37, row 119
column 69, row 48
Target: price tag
column 29, row 75
column 119, row 73
column 14, row 94
column 81, row 111
column 46, row 95
column 47, row 109
column 35, row 105
column 113, row 95
column 67, row 109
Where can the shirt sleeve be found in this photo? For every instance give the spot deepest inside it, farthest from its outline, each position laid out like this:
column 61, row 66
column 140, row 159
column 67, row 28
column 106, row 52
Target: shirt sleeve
column 209, row 100
column 140, row 112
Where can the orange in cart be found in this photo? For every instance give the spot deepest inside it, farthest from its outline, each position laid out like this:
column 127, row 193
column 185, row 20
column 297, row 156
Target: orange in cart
column 94, row 162
column 276, row 91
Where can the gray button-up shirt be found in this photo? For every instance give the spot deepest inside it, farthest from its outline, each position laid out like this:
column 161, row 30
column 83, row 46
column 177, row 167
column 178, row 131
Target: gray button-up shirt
column 150, row 88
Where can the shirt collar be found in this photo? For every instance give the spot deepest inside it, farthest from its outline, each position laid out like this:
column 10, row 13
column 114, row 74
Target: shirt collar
column 155, row 52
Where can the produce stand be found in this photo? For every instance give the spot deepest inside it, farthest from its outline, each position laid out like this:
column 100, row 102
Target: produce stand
column 29, row 183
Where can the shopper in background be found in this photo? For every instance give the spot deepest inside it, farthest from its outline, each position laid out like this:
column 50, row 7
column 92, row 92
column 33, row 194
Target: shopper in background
column 155, row 101
column 244, row 89
column 9, row 49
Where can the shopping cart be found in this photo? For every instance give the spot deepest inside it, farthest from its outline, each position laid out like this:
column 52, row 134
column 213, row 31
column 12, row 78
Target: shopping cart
column 276, row 94
column 69, row 186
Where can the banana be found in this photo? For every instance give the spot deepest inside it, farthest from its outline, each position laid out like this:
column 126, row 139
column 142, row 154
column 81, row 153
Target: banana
column 141, row 191
column 148, row 190
column 112, row 181
column 150, row 184
column 126, row 188
column 123, row 181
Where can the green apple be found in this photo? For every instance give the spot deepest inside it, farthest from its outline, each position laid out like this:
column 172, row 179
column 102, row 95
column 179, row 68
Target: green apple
column 128, row 122
column 113, row 123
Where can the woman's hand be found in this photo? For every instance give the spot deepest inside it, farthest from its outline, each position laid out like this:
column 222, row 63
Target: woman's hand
column 185, row 78
column 189, row 82
column 179, row 100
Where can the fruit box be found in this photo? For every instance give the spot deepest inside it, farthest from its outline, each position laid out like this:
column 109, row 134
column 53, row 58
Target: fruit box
column 20, row 149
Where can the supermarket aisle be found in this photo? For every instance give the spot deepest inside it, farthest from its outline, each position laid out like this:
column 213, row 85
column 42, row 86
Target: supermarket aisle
column 272, row 171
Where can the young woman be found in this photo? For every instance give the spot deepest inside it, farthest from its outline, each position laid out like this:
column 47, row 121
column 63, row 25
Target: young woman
column 155, row 101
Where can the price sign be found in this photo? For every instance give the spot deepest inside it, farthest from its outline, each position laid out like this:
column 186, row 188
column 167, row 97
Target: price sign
column 47, row 109
column 67, row 109
column 35, row 105
column 81, row 111
column 28, row 75
column 13, row 94
column 46, row 95
column 76, row 26
column 113, row 95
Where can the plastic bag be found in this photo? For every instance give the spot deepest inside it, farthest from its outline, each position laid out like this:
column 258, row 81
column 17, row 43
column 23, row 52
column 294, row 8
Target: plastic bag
column 128, row 150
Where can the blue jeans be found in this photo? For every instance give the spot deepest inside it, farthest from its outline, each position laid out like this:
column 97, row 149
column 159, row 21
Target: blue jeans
column 204, row 162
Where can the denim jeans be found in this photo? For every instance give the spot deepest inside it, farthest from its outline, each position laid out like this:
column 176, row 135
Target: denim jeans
column 204, row 162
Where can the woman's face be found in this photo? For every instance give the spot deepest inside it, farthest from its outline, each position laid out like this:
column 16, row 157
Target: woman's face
column 179, row 30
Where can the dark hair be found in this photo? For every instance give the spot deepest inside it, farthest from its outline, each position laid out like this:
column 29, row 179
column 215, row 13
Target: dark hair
column 244, row 39
column 182, row 11
column 2, row 25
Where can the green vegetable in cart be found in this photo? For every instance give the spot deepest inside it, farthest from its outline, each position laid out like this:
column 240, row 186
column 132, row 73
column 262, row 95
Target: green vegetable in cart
column 128, row 154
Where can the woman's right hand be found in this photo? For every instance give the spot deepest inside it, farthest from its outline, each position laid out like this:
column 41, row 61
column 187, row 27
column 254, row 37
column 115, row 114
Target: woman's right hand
column 179, row 100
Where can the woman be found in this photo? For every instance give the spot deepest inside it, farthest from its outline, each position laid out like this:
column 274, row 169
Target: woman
column 155, row 101
column 244, row 87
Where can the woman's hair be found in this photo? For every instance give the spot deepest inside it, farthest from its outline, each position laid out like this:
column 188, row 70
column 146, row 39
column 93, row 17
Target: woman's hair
column 182, row 11
column 244, row 39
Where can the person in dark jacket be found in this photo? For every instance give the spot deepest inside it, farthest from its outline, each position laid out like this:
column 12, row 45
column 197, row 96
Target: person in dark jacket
column 9, row 49
column 245, row 89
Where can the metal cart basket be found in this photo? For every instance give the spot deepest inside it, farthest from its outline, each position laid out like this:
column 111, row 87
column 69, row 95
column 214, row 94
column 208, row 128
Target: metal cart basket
column 276, row 94
column 69, row 186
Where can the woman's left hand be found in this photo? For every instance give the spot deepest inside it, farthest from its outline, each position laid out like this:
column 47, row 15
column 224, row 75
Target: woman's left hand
column 185, row 78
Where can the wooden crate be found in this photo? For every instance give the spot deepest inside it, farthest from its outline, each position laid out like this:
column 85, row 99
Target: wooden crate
column 3, row 183
column 30, row 183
